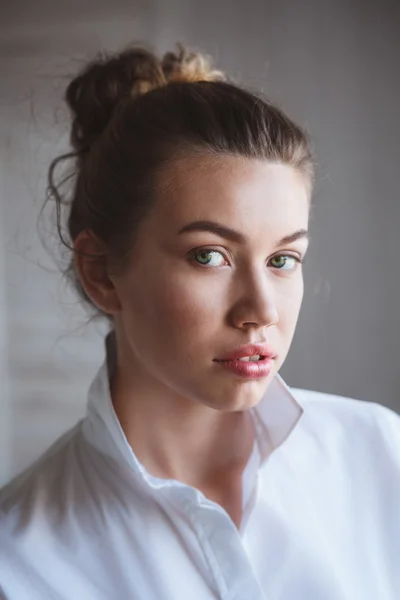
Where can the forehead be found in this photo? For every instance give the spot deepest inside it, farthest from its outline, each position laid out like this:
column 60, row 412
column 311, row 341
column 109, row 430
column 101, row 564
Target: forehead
column 246, row 194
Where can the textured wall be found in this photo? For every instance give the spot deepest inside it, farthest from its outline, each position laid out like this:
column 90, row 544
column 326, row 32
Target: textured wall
column 332, row 65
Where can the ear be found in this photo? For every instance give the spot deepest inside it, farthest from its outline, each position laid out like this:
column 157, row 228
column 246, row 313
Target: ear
column 91, row 263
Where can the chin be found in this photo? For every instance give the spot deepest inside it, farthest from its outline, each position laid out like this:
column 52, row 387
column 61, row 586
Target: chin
column 243, row 397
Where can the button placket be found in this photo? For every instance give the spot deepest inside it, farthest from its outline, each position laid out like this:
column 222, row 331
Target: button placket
column 226, row 555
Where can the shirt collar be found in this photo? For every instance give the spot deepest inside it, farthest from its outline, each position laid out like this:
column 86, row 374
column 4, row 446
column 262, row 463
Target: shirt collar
column 274, row 419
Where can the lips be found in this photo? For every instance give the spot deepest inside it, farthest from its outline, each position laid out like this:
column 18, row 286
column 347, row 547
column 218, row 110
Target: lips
column 265, row 351
column 245, row 370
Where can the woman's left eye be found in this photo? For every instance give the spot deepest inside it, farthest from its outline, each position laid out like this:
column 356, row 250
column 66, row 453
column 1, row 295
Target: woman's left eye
column 285, row 262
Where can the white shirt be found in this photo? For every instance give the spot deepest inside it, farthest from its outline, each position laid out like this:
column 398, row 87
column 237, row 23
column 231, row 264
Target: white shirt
column 321, row 499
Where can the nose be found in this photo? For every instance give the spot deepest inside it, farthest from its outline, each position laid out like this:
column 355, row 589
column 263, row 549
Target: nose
column 255, row 306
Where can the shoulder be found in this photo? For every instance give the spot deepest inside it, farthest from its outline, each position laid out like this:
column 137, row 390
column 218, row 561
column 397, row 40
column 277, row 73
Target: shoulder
column 320, row 403
column 342, row 462
column 33, row 511
column 350, row 421
column 30, row 493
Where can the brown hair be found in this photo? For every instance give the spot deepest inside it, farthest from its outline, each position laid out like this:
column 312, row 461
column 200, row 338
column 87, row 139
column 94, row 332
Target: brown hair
column 133, row 114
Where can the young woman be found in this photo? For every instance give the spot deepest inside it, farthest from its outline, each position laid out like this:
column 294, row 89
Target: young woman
column 197, row 473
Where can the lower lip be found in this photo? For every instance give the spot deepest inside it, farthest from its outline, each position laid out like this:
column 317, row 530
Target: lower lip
column 248, row 369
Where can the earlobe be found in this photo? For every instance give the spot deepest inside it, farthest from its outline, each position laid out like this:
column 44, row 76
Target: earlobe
column 91, row 264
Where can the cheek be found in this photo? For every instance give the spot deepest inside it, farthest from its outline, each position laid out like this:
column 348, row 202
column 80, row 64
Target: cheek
column 289, row 309
column 290, row 300
column 177, row 305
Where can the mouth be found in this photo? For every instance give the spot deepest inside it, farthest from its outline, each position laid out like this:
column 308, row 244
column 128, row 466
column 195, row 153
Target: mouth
column 255, row 358
column 249, row 353
column 252, row 361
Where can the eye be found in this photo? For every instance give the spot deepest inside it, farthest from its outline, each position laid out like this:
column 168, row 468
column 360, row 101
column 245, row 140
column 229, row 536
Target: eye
column 285, row 262
column 207, row 257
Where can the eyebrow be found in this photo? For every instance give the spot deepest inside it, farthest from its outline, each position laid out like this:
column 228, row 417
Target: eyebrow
column 235, row 236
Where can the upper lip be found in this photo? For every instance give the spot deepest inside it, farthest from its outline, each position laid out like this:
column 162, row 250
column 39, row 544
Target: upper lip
column 264, row 350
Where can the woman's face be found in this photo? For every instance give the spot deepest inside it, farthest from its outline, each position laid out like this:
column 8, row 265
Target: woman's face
column 189, row 297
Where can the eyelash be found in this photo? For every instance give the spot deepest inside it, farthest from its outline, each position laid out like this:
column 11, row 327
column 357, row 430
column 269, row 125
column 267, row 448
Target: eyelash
column 299, row 260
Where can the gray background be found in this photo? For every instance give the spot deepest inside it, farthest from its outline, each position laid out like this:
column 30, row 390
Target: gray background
column 332, row 65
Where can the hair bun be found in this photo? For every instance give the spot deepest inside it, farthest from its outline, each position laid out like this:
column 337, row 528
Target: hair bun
column 189, row 66
column 95, row 92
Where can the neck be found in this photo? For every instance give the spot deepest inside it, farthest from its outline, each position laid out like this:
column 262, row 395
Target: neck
column 178, row 438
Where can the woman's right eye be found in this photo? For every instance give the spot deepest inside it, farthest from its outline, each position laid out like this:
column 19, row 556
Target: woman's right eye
column 208, row 257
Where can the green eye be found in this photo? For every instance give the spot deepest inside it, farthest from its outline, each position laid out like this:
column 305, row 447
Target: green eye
column 282, row 260
column 208, row 257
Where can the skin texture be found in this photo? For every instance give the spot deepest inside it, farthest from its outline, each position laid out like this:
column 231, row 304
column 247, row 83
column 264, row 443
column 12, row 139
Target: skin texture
column 185, row 416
